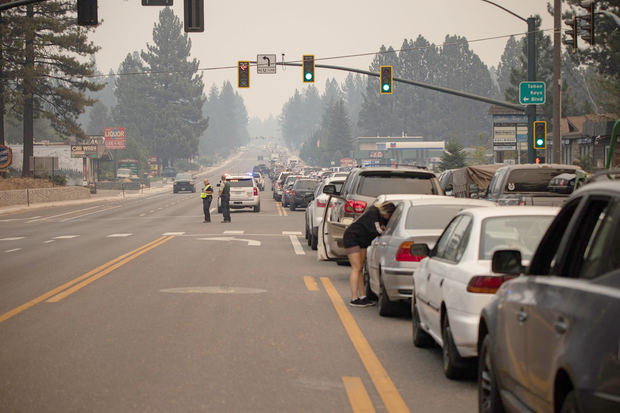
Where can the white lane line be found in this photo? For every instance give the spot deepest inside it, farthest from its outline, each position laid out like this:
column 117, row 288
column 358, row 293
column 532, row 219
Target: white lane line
column 233, row 232
column 66, row 236
column 291, row 233
column 173, row 233
column 90, row 213
column 296, row 245
column 48, row 241
column 151, row 211
column 142, row 214
column 60, row 215
column 13, row 250
column 11, row 238
column 119, row 235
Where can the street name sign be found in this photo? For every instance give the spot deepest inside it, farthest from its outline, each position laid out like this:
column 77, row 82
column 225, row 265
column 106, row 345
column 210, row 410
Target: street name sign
column 532, row 93
column 266, row 64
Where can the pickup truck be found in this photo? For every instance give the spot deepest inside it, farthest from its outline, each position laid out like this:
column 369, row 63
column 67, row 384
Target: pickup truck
column 530, row 184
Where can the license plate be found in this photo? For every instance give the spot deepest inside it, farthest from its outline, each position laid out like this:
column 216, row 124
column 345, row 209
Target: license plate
column 237, row 203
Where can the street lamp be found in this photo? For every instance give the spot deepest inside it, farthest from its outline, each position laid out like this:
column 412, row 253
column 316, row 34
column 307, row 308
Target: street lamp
column 531, row 76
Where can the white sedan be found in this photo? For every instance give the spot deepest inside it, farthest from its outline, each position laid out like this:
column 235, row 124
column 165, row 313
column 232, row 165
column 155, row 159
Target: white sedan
column 315, row 209
column 455, row 281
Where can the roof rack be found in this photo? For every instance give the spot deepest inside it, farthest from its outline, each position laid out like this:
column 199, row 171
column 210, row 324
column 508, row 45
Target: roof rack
column 391, row 165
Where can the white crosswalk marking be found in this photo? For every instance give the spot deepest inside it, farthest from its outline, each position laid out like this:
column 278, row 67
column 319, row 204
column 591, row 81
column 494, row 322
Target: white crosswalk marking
column 66, row 236
column 291, row 233
column 296, row 245
column 119, row 235
column 173, row 233
column 234, row 232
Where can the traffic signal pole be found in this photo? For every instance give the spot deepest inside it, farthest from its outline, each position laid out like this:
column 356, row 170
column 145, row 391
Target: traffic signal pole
column 531, row 76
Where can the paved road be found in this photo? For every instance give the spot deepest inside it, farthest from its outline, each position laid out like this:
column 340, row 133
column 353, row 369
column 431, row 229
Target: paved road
column 137, row 305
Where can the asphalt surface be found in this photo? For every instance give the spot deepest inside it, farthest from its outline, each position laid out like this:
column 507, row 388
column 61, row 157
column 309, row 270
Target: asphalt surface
column 137, row 305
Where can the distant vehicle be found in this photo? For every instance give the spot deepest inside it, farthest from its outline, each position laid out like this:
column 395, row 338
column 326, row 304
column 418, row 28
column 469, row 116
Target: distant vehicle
column 287, row 189
column 123, row 173
column 302, row 193
column 455, row 282
column 528, row 184
column 131, row 164
column 418, row 219
column 260, row 182
column 183, row 182
column 548, row 342
column 243, row 193
column 169, row 172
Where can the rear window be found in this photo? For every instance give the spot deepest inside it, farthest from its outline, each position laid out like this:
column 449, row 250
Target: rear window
column 432, row 216
column 305, row 184
column 183, row 177
column 521, row 233
column 240, row 183
column 401, row 183
column 532, row 180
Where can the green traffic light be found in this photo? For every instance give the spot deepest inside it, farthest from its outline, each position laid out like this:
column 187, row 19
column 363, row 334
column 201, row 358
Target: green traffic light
column 386, row 87
column 539, row 142
column 308, row 76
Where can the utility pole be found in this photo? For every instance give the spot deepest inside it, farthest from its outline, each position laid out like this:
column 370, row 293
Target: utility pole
column 557, row 81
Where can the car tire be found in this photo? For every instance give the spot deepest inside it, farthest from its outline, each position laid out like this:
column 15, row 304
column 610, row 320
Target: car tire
column 489, row 400
column 307, row 234
column 386, row 307
column 452, row 362
column 314, row 243
column 292, row 206
column 570, row 405
column 257, row 208
column 421, row 338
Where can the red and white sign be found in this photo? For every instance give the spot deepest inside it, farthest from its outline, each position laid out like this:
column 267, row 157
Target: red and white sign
column 114, row 138
column 344, row 162
column 376, row 154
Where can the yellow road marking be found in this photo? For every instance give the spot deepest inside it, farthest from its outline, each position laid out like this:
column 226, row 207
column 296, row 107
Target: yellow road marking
column 279, row 208
column 311, row 285
column 106, row 271
column 358, row 396
column 379, row 376
column 68, row 284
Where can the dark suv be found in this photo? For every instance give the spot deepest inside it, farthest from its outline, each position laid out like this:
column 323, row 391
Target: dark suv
column 183, row 182
column 549, row 342
column 302, row 193
column 363, row 186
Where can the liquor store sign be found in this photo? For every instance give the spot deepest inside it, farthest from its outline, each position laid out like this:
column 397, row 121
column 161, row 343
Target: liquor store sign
column 114, row 138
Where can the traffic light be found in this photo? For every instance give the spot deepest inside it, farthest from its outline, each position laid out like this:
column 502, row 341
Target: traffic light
column 308, row 66
column 386, row 80
column 540, row 134
column 243, row 72
column 571, row 35
column 87, row 12
column 587, row 28
column 194, row 16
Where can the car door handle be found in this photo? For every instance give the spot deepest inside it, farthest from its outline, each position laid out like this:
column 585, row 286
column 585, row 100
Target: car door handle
column 522, row 316
column 560, row 326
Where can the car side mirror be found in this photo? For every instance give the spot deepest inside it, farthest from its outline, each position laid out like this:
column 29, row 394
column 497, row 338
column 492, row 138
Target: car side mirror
column 507, row 262
column 419, row 250
column 330, row 190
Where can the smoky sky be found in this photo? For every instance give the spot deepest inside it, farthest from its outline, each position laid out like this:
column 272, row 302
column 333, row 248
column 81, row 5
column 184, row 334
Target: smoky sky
column 239, row 30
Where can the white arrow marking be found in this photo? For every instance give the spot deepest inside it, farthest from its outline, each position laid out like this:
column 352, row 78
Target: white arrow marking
column 251, row 242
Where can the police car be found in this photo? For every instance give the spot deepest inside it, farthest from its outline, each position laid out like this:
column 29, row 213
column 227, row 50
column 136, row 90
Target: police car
column 243, row 193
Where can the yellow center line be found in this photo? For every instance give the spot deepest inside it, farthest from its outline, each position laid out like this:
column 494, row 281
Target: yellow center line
column 279, row 208
column 379, row 376
column 311, row 285
column 358, row 396
column 68, row 284
column 108, row 270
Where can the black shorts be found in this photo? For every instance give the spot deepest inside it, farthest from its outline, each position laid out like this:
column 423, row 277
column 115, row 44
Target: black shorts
column 353, row 237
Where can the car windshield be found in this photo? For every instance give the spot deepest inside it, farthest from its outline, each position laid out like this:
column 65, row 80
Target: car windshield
column 183, row 177
column 396, row 183
column 532, row 180
column 432, row 216
column 522, row 233
column 240, row 183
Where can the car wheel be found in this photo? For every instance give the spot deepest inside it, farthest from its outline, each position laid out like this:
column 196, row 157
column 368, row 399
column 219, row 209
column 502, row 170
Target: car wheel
column 386, row 307
column 257, row 208
column 314, row 241
column 489, row 400
column 569, row 405
column 292, row 207
column 307, row 234
column 451, row 360
column 421, row 338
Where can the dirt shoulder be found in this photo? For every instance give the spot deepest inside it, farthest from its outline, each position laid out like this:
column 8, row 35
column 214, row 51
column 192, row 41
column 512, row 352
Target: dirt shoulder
column 24, row 183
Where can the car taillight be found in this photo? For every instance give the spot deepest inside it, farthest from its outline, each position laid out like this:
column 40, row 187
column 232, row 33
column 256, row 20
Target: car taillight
column 288, row 191
column 354, row 206
column 294, row 193
column 255, row 191
column 320, row 204
column 487, row 284
column 404, row 253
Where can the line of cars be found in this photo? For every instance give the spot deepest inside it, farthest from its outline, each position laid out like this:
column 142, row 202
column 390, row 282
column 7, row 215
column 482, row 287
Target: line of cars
column 525, row 298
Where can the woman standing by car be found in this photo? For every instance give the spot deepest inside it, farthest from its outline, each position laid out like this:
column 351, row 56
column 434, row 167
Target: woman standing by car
column 357, row 237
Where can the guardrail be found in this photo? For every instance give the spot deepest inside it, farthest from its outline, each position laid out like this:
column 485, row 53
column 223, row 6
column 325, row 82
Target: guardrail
column 39, row 195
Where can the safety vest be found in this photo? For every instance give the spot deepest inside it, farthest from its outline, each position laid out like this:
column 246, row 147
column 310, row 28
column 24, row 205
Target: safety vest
column 207, row 191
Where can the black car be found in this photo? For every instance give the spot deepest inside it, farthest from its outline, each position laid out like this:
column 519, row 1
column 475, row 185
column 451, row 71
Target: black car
column 183, row 182
column 549, row 342
column 302, row 193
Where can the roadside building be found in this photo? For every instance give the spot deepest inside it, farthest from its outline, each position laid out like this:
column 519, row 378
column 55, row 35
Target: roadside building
column 412, row 150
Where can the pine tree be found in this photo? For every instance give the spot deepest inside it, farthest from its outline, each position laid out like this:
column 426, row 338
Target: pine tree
column 453, row 157
column 508, row 61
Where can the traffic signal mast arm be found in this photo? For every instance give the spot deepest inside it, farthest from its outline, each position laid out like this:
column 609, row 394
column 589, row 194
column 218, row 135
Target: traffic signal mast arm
column 415, row 83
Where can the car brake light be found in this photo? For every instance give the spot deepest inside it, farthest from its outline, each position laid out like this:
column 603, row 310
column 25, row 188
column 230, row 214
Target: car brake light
column 294, row 193
column 487, row 284
column 320, row 204
column 255, row 191
column 404, row 253
column 354, row 206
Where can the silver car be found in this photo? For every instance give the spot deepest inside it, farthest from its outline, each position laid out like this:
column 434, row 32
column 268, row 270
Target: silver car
column 390, row 264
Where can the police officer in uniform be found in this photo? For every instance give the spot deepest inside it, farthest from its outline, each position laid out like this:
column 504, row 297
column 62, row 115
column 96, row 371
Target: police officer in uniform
column 225, row 199
column 207, row 197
